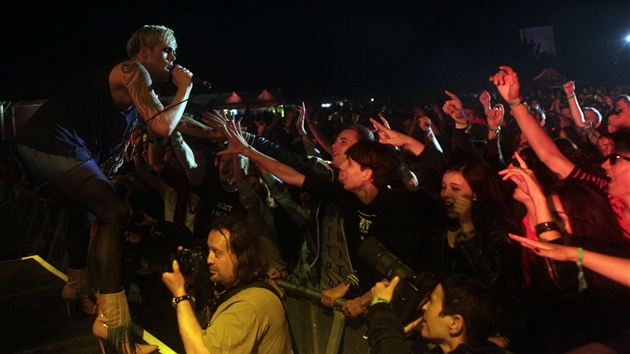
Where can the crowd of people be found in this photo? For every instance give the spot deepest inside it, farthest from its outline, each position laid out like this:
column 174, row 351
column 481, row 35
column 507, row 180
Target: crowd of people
column 522, row 203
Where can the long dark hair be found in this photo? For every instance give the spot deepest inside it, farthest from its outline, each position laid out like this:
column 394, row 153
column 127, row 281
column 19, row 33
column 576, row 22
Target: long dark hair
column 492, row 201
column 590, row 213
column 246, row 246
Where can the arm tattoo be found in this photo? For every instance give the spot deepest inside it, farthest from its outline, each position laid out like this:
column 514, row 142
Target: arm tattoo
column 137, row 81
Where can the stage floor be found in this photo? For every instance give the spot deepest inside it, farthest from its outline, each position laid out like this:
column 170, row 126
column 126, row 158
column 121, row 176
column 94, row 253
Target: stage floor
column 33, row 316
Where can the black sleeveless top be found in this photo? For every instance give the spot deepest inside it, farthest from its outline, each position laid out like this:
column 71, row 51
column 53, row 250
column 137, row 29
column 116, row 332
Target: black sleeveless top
column 80, row 121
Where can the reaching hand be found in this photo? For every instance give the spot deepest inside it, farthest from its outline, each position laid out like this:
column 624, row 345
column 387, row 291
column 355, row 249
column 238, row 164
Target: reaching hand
column 387, row 135
column 216, row 120
column 238, row 145
column 506, row 81
column 545, row 249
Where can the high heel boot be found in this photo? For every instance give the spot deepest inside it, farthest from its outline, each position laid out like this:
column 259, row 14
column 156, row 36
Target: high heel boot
column 113, row 324
column 77, row 290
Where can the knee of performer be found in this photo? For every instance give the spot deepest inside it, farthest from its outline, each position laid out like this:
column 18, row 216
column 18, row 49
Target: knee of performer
column 116, row 213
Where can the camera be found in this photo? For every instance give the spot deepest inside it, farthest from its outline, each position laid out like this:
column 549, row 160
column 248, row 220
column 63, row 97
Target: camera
column 192, row 261
column 411, row 290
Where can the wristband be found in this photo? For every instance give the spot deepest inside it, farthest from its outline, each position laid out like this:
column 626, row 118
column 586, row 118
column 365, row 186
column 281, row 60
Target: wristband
column 581, row 281
column 378, row 300
column 546, row 227
column 513, row 104
column 496, row 132
column 176, row 300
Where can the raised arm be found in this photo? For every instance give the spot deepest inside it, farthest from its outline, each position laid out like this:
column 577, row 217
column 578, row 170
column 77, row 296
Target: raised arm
column 576, row 112
column 160, row 119
column 506, row 81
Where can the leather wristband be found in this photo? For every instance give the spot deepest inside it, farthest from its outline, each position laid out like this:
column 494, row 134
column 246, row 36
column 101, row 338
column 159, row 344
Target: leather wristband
column 176, row 300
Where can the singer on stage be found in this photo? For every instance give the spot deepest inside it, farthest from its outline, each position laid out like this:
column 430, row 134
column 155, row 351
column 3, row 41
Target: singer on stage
column 75, row 131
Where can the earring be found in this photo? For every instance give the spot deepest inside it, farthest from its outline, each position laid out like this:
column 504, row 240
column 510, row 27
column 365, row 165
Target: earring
column 474, row 199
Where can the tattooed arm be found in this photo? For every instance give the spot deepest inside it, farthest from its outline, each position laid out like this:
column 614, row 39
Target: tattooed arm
column 137, row 83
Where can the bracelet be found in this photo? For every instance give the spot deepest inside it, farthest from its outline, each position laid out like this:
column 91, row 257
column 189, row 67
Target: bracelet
column 570, row 97
column 176, row 300
column 496, row 132
column 351, row 281
column 546, row 227
column 379, row 300
column 513, row 104
column 581, row 281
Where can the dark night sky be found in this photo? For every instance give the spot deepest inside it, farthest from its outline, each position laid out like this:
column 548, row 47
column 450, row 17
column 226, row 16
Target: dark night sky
column 311, row 48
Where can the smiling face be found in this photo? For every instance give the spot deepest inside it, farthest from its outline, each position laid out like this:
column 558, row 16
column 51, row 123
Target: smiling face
column 454, row 186
column 619, row 174
column 351, row 175
column 221, row 261
column 344, row 140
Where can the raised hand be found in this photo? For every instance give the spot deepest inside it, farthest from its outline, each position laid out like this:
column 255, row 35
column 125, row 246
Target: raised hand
column 506, row 81
column 299, row 123
column 484, row 98
column 569, row 88
column 419, row 112
column 234, row 135
column 495, row 116
column 424, row 123
column 454, row 108
column 523, row 177
column 386, row 135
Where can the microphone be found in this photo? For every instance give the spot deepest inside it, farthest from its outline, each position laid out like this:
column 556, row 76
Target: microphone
column 202, row 82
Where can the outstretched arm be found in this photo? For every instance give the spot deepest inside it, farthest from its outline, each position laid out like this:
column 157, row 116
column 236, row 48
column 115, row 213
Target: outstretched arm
column 238, row 145
column 615, row 268
column 506, row 81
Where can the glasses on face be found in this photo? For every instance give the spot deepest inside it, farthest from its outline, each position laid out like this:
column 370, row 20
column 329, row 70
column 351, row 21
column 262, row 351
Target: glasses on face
column 613, row 158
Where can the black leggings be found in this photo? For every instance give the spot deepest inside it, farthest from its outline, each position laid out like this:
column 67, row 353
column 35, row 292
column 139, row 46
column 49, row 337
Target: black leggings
column 86, row 195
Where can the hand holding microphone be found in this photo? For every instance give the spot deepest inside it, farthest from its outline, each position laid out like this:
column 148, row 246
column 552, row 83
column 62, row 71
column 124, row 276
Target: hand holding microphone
column 180, row 75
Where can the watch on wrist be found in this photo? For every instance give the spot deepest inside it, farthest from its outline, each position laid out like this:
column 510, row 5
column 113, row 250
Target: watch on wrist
column 176, row 300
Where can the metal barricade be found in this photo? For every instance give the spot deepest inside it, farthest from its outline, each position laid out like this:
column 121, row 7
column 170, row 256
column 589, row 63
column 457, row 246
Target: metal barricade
column 317, row 329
